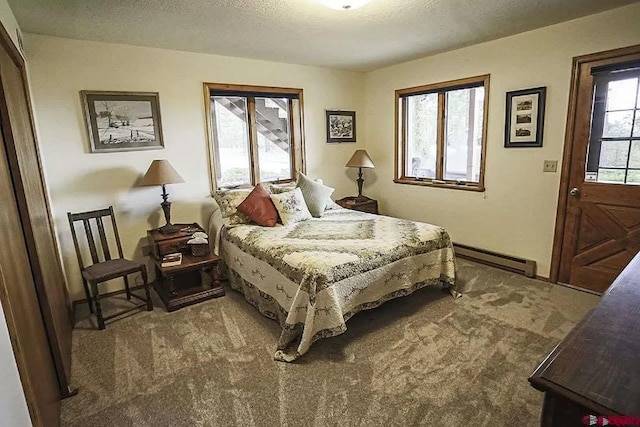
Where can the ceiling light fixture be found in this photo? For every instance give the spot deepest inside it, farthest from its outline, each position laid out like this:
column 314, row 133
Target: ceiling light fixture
column 344, row 4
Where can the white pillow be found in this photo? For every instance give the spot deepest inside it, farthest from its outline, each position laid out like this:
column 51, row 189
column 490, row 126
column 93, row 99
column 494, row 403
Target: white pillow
column 280, row 188
column 331, row 205
column 316, row 194
column 291, row 206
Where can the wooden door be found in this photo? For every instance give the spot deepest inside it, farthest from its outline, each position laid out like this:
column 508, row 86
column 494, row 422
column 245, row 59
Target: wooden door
column 26, row 171
column 22, row 309
column 599, row 232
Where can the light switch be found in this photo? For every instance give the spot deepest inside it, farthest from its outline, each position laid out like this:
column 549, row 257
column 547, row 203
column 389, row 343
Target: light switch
column 550, row 166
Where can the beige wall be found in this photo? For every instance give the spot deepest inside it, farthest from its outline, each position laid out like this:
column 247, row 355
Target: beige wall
column 78, row 180
column 516, row 214
column 9, row 23
column 13, row 405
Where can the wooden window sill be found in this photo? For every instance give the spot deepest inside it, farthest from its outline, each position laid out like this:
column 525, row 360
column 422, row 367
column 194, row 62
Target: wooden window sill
column 451, row 186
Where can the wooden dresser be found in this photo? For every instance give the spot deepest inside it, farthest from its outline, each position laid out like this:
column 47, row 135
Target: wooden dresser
column 595, row 371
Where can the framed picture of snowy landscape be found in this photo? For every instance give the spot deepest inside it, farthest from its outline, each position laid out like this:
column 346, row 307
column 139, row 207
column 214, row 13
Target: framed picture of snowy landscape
column 123, row 121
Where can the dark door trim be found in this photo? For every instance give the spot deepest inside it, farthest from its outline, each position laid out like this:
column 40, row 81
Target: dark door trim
column 579, row 62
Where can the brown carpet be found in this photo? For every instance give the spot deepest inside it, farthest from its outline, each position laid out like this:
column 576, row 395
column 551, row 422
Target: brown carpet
column 425, row 359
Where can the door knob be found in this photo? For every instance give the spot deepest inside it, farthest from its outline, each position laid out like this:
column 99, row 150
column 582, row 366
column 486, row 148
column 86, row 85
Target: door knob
column 574, row 192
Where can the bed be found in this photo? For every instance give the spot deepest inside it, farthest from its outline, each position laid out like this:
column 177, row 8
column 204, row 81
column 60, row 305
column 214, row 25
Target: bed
column 312, row 276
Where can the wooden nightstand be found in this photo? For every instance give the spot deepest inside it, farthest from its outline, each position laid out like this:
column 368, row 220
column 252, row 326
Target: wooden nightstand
column 196, row 279
column 367, row 205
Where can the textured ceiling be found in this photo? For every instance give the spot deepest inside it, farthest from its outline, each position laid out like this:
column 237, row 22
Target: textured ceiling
column 381, row 33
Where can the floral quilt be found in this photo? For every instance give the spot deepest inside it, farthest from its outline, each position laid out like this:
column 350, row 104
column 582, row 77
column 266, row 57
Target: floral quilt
column 312, row 276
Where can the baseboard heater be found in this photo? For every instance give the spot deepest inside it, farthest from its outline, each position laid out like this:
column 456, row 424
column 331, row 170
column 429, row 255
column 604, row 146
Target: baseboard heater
column 507, row 262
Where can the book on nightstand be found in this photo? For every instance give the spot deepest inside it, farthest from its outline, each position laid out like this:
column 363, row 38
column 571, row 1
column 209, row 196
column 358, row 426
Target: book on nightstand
column 171, row 260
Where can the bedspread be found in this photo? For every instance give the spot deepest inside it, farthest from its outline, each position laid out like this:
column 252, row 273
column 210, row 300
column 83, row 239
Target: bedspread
column 312, row 276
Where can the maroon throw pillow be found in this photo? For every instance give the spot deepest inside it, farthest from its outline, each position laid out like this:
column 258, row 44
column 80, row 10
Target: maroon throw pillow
column 259, row 207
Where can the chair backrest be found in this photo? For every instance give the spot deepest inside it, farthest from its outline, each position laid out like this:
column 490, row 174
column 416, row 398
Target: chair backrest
column 86, row 218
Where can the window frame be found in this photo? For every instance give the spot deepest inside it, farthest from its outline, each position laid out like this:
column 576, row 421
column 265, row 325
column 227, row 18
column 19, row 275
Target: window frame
column 400, row 151
column 296, row 126
column 598, row 117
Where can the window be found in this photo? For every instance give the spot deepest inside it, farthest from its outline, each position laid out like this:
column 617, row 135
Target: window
column 441, row 134
column 255, row 134
column 614, row 142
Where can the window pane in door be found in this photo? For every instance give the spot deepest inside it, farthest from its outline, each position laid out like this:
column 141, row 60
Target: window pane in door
column 636, row 125
column 611, row 175
column 274, row 146
column 634, row 155
column 621, row 94
column 422, row 131
column 463, row 134
column 633, row 177
column 613, row 154
column 233, row 160
column 618, row 124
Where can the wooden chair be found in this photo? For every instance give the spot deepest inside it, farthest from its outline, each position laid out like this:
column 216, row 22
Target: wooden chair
column 107, row 269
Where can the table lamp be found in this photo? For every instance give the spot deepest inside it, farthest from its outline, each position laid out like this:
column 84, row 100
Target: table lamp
column 360, row 159
column 162, row 173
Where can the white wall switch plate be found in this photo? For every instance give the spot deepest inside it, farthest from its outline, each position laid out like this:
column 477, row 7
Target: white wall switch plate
column 550, row 166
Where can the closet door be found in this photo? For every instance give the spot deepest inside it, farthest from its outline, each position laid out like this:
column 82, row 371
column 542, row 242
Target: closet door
column 22, row 310
column 28, row 181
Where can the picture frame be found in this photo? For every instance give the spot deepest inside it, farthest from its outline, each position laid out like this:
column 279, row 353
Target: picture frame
column 122, row 121
column 341, row 126
column 524, row 121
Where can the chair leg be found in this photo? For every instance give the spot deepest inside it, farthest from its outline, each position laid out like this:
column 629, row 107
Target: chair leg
column 87, row 294
column 126, row 286
column 146, row 288
column 96, row 302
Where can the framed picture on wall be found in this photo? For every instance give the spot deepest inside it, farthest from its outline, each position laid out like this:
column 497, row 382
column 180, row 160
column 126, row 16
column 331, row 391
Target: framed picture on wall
column 341, row 126
column 524, row 121
column 122, row 121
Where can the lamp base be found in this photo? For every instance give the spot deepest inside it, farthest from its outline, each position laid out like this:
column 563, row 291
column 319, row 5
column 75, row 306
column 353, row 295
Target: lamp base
column 168, row 229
